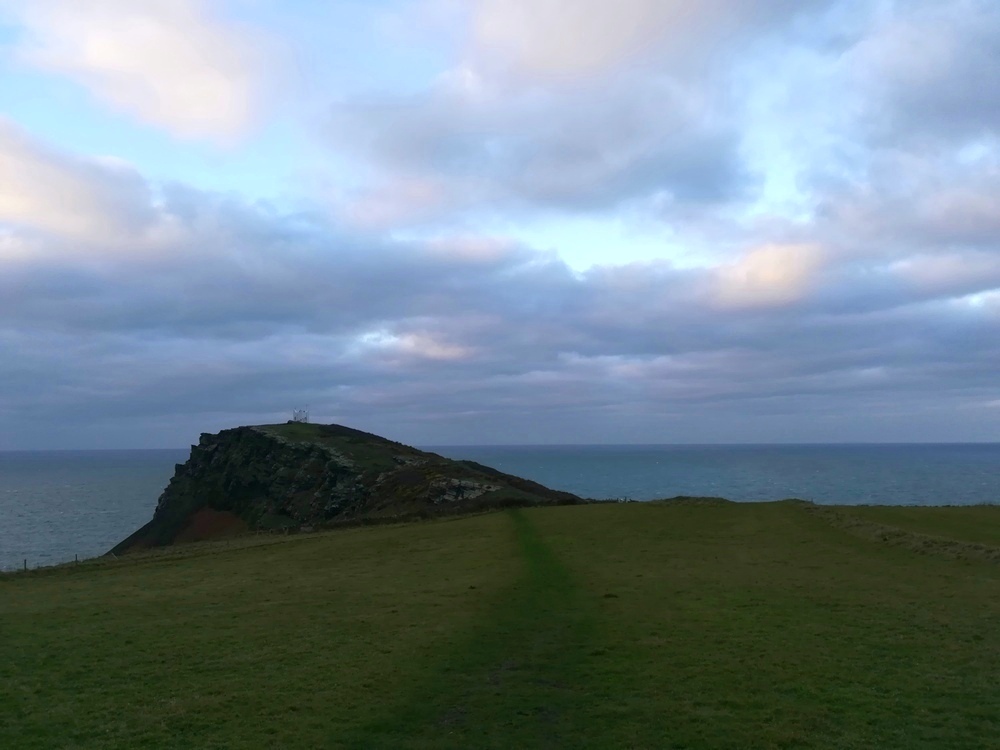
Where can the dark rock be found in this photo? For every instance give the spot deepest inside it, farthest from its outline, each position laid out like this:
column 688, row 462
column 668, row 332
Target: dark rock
column 281, row 477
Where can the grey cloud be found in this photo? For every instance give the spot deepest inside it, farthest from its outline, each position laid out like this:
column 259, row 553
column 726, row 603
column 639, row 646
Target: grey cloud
column 930, row 71
column 433, row 347
column 563, row 150
column 920, row 226
column 229, row 312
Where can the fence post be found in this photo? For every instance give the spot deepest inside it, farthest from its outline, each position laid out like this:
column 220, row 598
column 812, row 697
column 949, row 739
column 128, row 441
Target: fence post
column 25, row 563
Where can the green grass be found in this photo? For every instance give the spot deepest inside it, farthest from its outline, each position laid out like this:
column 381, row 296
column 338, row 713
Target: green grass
column 978, row 524
column 368, row 452
column 603, row 626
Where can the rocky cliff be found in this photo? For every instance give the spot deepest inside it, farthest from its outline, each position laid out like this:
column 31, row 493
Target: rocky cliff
column 304, row 475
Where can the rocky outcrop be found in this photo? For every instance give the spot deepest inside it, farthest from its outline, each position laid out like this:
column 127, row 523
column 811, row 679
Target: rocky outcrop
column 302, row 475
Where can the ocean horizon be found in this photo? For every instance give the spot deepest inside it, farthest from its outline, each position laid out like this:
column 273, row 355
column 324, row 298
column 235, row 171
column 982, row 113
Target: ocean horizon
column 59, row 504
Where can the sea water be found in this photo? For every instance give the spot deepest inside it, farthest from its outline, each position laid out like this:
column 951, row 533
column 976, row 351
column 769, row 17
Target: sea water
column 56, row 505
column 61, row 504
column 877, row 474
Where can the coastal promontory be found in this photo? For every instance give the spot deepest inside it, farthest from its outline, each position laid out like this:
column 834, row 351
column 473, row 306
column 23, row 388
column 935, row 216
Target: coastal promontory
column 298, row 476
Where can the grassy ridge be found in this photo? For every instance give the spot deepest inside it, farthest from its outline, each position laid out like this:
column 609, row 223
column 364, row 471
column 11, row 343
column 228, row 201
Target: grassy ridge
column 978, row 524
column 606, row 626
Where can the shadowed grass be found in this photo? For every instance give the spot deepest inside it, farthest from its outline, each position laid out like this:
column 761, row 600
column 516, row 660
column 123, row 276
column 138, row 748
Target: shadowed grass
column 518, row 679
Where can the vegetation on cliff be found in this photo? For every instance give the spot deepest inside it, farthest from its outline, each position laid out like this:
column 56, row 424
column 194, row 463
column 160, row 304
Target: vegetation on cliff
column 296, row 475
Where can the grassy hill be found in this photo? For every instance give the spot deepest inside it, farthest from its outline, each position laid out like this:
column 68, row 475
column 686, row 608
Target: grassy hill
column 597, row 626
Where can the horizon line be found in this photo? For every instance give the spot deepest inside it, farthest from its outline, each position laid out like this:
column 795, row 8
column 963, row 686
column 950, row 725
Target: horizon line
column 431, row 447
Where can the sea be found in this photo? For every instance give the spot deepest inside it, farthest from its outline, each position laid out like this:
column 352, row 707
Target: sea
column 58, row 506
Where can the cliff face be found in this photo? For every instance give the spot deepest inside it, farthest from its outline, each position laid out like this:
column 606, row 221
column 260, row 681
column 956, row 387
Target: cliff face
column 294, row 475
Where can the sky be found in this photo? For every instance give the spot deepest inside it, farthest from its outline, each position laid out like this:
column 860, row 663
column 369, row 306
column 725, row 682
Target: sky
column 500, row 221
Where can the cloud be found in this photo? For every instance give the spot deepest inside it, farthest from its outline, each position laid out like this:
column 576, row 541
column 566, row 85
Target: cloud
column 248, row 312
column 564, row 107
column 572, row 38
column 399, row 201
column 557, row 37
column 174, row 65
column 463, row 149
column 54, row 192
column 928, row 70
column 917, row 200
column 772, row 275
column 862, row 303
column 402, row 350
column 954, row 273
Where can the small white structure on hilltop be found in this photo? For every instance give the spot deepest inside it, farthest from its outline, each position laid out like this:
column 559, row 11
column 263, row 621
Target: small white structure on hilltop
column 300, row 415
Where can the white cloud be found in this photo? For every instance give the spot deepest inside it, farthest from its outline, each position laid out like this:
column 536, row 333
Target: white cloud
column 401, row 348
column 53, row 192
column 170, row 63
column 571, row 38
column 562, row 105
column 561, row 37
column 13, row 248
column 401, row 200
column 768, row 276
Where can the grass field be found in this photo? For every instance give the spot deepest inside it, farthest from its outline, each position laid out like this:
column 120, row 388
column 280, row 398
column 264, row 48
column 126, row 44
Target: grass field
column 979, row 524
column 601, row 626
